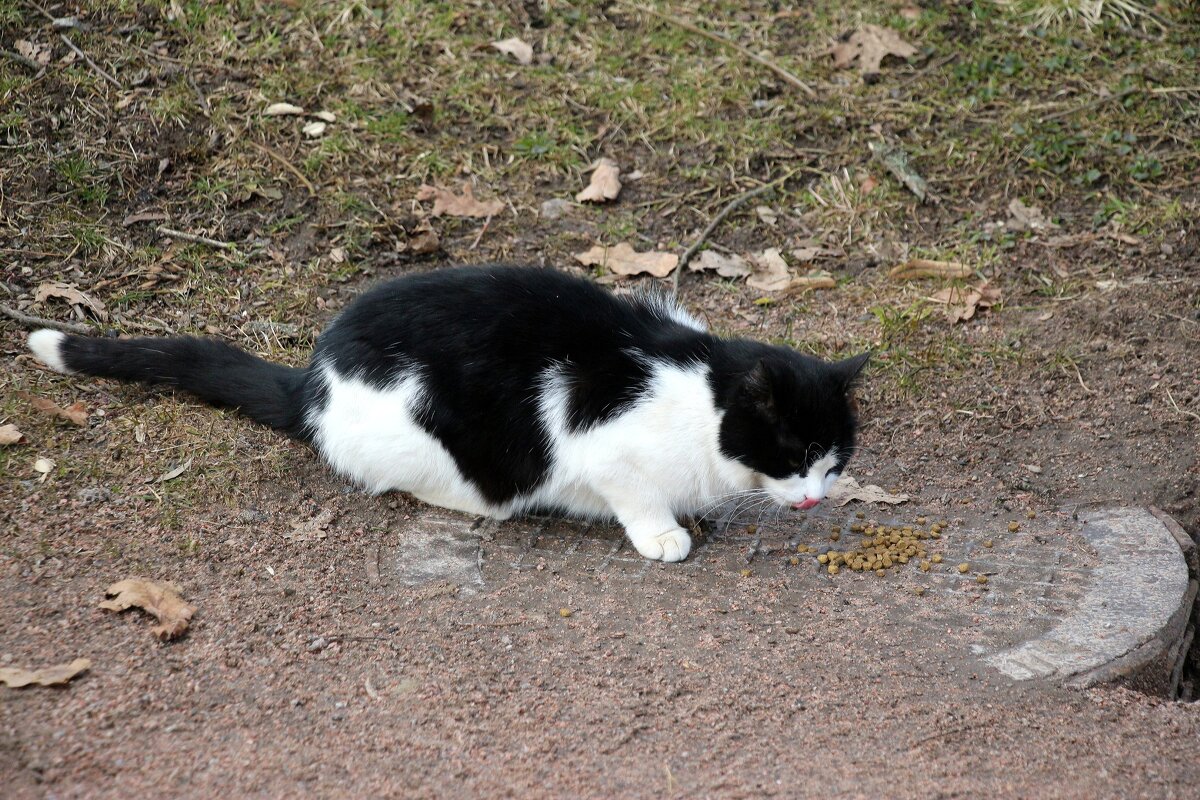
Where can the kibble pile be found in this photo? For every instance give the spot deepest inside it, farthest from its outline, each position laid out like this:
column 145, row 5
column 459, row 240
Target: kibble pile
column 885, row 547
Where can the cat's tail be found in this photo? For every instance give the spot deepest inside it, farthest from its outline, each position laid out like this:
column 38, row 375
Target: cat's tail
column 217, row 373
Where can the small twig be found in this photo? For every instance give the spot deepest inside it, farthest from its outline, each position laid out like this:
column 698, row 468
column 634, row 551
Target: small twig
column 192, row 237
column 20, row 59
column 1183, row 411
column 205, row 109
column 95, row 67
column 725, row 40
column 1078, row 375
column 1099, row 101
column 42, row 322
column 944, row 734
column 712, row 226
column 482, row 231
column 312, row 190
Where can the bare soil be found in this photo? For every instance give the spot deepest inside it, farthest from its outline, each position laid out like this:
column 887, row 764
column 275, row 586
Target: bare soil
column 311, row 669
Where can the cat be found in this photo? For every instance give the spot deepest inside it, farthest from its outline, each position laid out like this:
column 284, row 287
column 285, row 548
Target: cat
column 499, row 390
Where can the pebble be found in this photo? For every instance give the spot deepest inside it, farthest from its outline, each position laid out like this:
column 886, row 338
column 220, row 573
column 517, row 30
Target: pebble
column 553, row 209
column 317, row 645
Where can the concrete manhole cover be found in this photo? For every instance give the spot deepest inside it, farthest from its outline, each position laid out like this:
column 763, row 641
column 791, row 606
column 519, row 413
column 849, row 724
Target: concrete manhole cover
column 1065, row 595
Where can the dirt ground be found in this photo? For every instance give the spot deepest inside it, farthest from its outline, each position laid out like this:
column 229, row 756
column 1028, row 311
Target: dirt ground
column 310, row 668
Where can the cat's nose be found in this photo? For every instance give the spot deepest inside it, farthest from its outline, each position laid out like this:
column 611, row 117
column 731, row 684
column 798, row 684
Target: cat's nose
column 807, row 504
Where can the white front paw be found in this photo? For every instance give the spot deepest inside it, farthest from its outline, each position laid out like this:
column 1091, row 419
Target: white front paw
column 670, row 545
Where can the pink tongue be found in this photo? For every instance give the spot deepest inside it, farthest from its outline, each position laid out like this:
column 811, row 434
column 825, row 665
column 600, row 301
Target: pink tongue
column 807, row 504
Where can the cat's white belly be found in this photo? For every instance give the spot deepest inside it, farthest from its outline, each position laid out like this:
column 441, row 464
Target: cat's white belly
column 663, row 451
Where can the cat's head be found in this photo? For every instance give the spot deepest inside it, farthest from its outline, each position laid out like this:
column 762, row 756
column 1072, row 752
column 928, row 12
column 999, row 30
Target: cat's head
column 792, row 419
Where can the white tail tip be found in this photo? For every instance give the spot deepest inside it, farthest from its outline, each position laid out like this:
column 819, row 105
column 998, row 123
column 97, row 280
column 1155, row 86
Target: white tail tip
column 47, row 346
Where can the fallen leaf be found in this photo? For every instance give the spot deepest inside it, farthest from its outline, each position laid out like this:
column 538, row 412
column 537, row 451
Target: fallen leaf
column 622, row 259
column 174, row 473
column 145, row 216
column 9, row 434
column 69, row 292
column 15, row 678
column 314, row 130
column 846, row 488
column 76, row 412
column 38, row 53
column 159, row 598
column 424, row 240
column 868, row 185
column 869, row 45
column 730, row 266
column 1027, row 218
column 817, row 279
column 311, row 529
column 962, row 302
column 458, row 205
column 770, row 272
column 767, row 215
column 811, row 249
column 605, row 184
column 925, row 268
column 44, row 466
column 896, row 161
column 282, row 110
column 516, row 48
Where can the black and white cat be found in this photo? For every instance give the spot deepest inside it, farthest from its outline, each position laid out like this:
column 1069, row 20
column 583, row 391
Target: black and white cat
column 500, row 390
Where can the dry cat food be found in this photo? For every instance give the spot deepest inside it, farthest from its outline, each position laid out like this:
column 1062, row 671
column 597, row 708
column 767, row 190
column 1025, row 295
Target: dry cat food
column 884, row 547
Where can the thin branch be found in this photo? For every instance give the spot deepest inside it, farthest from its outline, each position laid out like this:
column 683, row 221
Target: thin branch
column 41, row 322
column 725, row 40
column 22, row 60
column 312, row 190
column 1183, row 411
column 732, row 206
column 1099, row 101
column 192, row 237
column 95, row 67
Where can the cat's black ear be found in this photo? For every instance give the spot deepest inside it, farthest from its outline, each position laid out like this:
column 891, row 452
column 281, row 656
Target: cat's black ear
column 847, row 370
column 759, row 386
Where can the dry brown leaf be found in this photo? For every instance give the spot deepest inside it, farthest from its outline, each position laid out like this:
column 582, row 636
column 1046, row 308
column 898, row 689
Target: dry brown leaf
column 15, row 678
column 76, row 412
column 770, row 271
column 282, row 110
column 72, row 295
column 174, row 472
column 459, row 205
column 869, row 45
column 38, row 53
column 847, row 488
column 144, row 216
column 817, row 279
column 925, row 268
column 424, row 240
column 605, row 184
column 962, row 302
column 622, row 259
column 160, row 598
column 731, row 266
column 1027, row 218
column 516, row 48
column 9, row 434
column 311, row 529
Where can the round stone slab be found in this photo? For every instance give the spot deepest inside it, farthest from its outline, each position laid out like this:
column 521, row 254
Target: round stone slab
column 1139, row 585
